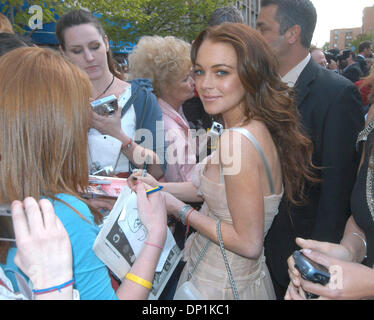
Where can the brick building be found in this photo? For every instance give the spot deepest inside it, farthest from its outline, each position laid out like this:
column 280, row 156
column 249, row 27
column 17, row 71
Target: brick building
column 341, row 38
column 368, row 20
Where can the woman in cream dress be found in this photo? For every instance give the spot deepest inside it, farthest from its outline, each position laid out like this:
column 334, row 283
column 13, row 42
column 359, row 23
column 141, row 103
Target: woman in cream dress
column 261, row 157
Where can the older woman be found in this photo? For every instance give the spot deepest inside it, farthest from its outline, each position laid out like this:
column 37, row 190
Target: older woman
column 166, row 61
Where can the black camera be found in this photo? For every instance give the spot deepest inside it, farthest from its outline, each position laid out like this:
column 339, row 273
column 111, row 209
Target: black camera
column 311, row 271
column 345, row 55
column 329, row 56
column 105, row 106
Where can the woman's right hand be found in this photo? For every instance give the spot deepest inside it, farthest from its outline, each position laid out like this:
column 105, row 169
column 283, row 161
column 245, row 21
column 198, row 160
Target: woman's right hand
column 333, row 250
column 107, row 125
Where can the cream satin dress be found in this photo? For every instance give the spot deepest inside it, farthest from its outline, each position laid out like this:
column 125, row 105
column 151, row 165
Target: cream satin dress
column 251, row 277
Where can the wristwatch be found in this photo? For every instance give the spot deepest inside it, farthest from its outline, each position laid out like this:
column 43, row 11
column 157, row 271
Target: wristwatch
column 183, row 212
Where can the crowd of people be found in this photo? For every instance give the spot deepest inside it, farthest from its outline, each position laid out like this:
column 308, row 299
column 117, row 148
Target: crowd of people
column 351, row 66
column 292, row 169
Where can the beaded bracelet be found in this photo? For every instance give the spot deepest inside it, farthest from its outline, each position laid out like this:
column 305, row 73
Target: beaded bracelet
column 144, row 283
column 55, row 288
column 187, row 221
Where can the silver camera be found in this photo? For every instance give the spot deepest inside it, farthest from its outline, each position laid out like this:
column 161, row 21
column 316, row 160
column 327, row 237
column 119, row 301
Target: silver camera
column 105, row 106
column 216, row 129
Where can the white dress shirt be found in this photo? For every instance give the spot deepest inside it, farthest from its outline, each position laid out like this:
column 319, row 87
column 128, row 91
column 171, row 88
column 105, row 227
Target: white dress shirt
column 291, row 77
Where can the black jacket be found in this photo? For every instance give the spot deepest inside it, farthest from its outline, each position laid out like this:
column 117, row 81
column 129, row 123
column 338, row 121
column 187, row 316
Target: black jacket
column 330, row 112
column 353, row 72
column 363, row 65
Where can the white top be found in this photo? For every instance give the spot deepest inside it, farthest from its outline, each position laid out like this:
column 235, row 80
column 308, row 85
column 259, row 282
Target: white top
column 291, row 77
column 105, row 149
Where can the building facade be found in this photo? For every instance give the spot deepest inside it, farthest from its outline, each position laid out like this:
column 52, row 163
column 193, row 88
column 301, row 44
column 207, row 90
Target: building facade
column 342, row 38
column 250, row 10
column 368, row 20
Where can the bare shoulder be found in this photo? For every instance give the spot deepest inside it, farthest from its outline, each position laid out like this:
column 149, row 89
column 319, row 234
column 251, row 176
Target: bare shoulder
column 120, row 87
column 234, row 146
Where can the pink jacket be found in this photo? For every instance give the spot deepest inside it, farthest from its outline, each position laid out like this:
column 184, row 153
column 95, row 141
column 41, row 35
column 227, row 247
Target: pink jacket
column 181, row 148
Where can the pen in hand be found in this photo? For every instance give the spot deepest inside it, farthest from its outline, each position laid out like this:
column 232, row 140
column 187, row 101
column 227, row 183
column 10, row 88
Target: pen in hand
column 145, row 166
column 149, row 191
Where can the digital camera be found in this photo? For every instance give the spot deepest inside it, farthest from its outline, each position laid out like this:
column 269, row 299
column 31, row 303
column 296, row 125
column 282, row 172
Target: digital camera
column 216, row 129
column 105, row 106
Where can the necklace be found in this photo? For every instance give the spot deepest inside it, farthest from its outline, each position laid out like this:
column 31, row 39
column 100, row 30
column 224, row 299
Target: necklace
column 106, row 89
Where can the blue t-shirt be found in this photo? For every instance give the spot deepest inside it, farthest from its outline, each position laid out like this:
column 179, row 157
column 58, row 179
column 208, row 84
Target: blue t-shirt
column 91, row 276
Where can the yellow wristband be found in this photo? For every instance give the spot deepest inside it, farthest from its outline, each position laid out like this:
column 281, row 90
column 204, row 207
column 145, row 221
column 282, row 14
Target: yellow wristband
column 138, row 280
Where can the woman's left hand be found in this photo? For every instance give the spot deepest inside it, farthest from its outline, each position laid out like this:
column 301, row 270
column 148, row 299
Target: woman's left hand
column 44, row 251
column 107, row 125
column 152, row 212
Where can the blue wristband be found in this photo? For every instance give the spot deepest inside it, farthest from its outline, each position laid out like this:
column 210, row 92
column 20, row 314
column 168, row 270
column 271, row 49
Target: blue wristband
column 55, row 288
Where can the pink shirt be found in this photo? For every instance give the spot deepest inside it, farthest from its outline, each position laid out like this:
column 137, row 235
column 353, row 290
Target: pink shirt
column 181, row 148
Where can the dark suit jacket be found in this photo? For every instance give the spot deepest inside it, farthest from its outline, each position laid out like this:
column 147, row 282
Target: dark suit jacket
column 353, row 72
column 363, row 65
column 329, row 106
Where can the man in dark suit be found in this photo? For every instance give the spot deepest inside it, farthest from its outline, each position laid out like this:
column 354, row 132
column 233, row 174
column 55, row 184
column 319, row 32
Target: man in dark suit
column 329, row 106
column 364, row 51
column 352, row 71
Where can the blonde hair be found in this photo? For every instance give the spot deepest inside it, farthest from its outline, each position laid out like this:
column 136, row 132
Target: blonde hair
column 5, row 25
column 164, row 60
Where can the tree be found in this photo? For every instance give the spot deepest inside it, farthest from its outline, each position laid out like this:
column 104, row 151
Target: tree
column 326, row 46
column 24, row 14
column 181, row 18
column 125, row 20
column 360, row 38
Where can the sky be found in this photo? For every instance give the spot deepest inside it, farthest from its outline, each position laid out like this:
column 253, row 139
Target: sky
column 337, row 14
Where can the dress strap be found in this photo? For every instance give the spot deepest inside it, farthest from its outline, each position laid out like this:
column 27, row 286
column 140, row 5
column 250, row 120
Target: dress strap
column 258, row 147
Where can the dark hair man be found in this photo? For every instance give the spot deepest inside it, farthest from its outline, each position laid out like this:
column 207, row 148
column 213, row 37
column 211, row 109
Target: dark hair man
column 225, row 14
column 329, row 106
column 364, row 51
column 350, row 68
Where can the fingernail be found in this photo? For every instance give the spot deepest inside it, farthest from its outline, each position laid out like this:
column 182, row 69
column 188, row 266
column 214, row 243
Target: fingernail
column 307, row 251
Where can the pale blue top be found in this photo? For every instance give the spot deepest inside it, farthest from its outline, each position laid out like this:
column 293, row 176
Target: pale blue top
column 91, row 275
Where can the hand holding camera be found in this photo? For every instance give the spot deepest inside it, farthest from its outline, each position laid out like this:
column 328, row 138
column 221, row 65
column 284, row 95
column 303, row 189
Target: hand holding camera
column 106, row 116
column 311, row 271
column 106, row 106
